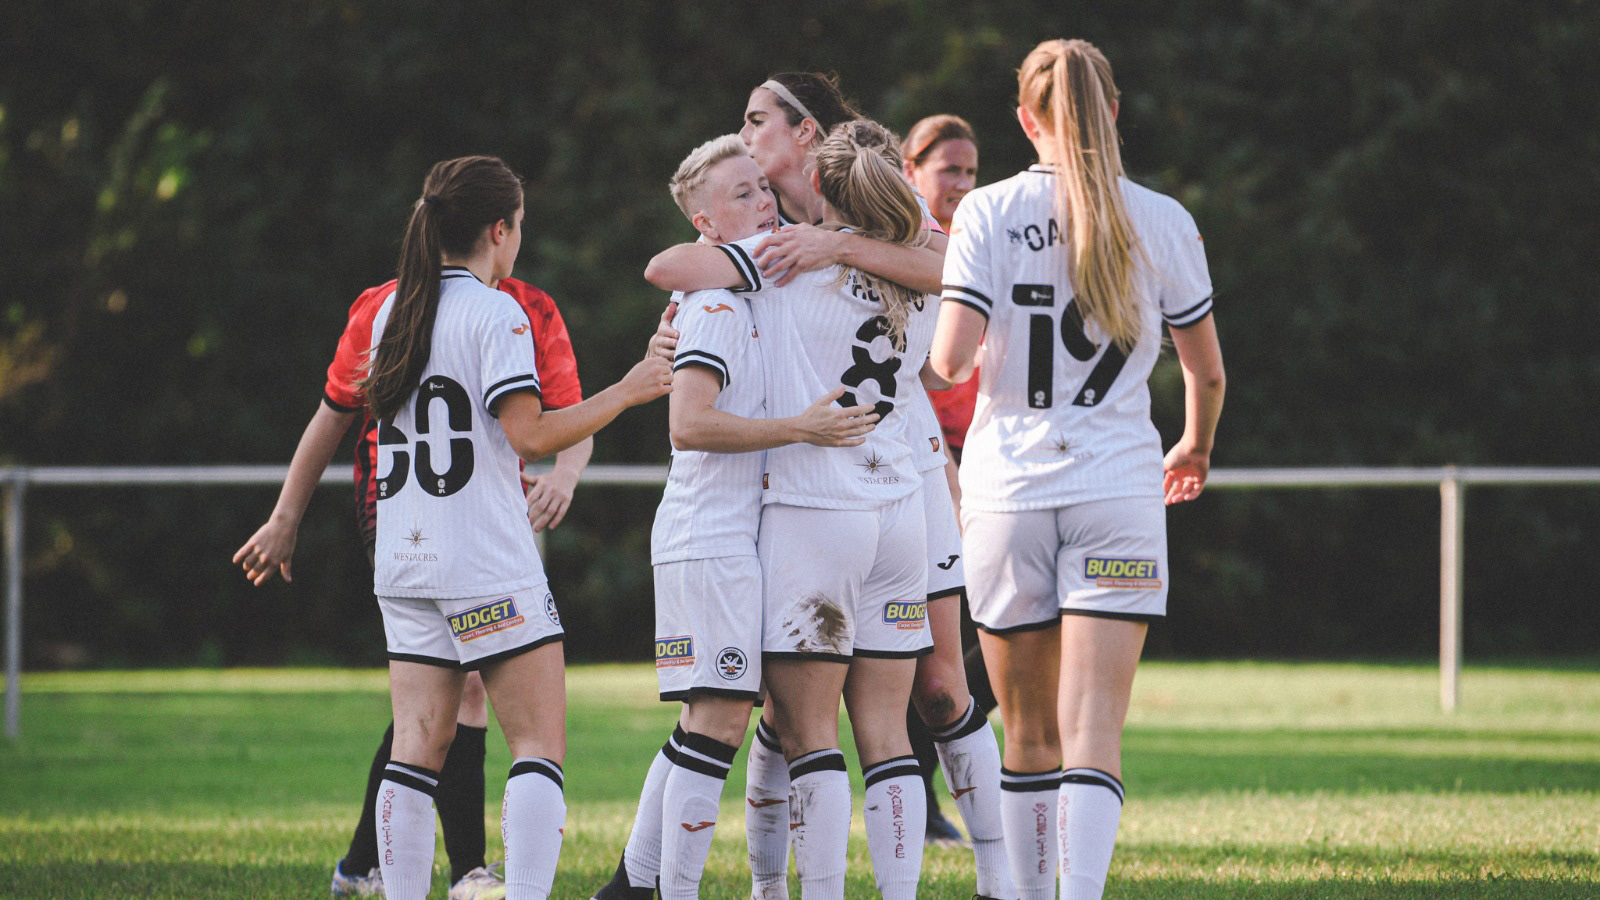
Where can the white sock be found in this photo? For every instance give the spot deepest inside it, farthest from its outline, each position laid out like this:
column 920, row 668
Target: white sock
column 531, row 820
column 1028, row 803
column 642, row 857
column 405, row 830
column 1089, row 809
column 819, row 822
column 970, row 757
column 689, row 812
column 895, row 799
column 766, row 815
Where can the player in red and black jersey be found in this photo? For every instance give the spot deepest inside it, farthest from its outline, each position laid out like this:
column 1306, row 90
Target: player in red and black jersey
column 270, row 550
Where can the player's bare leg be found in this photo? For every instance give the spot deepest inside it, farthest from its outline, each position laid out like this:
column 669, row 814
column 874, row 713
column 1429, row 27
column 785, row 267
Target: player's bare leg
column 894, row 807
column 1098, row 661
column 805, row 700
column 530, row 703
column 1023, row 669
column 425, row 700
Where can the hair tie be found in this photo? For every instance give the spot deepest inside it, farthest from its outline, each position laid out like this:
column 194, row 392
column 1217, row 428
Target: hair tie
column 435, row 199
column 789, row 98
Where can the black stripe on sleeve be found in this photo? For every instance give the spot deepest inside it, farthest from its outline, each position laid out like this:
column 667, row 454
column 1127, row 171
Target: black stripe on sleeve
column 1191, row 315
column 528, row 382
column 975, row 299
column 748, row 270
column 702, row 358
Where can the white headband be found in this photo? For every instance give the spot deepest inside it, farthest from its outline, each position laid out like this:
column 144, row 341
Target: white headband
column 784, row 95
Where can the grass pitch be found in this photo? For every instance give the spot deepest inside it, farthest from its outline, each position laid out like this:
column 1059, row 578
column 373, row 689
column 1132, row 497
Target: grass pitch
column 1245, row 780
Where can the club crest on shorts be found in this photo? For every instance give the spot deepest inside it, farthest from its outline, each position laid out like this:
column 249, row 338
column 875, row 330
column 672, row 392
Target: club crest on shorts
column 906, row 615
column 674, row 651
column 489, row 618
column 1121, row 572
column 731, row 663
column 550, row 610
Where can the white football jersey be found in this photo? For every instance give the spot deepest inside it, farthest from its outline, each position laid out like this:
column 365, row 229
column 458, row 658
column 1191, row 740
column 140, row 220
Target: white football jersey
column 452, row 518
column 924, row 434
column 821, row 330
column 712, row 503
column 1063, row 416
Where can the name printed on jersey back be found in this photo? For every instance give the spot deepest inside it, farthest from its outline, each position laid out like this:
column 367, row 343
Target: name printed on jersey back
column 1035, row 237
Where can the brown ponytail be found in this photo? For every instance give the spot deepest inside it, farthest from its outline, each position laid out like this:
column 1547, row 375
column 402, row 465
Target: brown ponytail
column 459, row 198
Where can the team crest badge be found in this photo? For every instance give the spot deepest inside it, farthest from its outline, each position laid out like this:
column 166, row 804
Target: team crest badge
column 550, row 610
column 731, row 663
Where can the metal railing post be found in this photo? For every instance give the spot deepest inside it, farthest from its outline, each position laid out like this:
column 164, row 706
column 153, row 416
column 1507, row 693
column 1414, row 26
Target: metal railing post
column 14, row 489
column 1452, row 528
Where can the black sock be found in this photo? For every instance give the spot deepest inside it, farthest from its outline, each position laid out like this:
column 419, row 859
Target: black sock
column 927, row 755
column 978, row 680
column 362, row 857
column 460, row 801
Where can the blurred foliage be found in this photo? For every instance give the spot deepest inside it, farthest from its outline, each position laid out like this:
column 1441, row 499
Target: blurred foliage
column 1396, row 200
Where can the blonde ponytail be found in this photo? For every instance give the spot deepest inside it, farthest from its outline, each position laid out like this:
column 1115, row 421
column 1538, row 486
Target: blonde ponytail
column 1067, row 86
column 859, row 168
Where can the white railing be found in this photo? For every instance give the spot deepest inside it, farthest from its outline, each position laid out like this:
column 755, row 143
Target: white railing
column 1450, row 480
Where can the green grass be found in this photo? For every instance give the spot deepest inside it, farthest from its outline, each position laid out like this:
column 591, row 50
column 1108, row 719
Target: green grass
column 1245, row 780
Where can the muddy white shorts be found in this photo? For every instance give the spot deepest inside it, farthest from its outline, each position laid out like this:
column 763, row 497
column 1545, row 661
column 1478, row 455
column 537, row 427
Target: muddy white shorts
column 708, row 627
column 1104, row 558
column 843, row 583
column 471, row 633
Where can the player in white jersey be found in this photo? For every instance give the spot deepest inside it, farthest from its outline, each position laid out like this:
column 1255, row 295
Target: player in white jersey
column 1066, row 273
column 703, row 546
column 842, row 539
column 457, row 573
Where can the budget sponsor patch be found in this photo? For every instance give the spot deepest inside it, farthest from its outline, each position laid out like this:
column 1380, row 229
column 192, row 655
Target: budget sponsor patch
column 1122, row 572
column 906, row 615
column 489, row 618
column 674, row 651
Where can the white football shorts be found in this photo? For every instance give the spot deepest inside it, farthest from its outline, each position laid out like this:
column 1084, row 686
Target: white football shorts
column 844, row 583
column 946, row 572
column 708, row 627
column 471, row 633
column 1104, row 558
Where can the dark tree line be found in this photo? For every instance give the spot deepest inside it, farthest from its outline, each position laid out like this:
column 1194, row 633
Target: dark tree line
column 1399, row 203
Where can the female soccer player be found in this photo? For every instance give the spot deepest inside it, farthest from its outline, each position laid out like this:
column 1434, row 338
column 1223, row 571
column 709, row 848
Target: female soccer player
column 842, row 537
column 783, row 118
column 1066, row 272
column 460, row 796
column 785, row 121
column 703, row 546
column 942, row 162
column 458, row 577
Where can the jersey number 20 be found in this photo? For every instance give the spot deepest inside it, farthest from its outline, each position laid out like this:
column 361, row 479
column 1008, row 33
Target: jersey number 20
column 458, row 418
